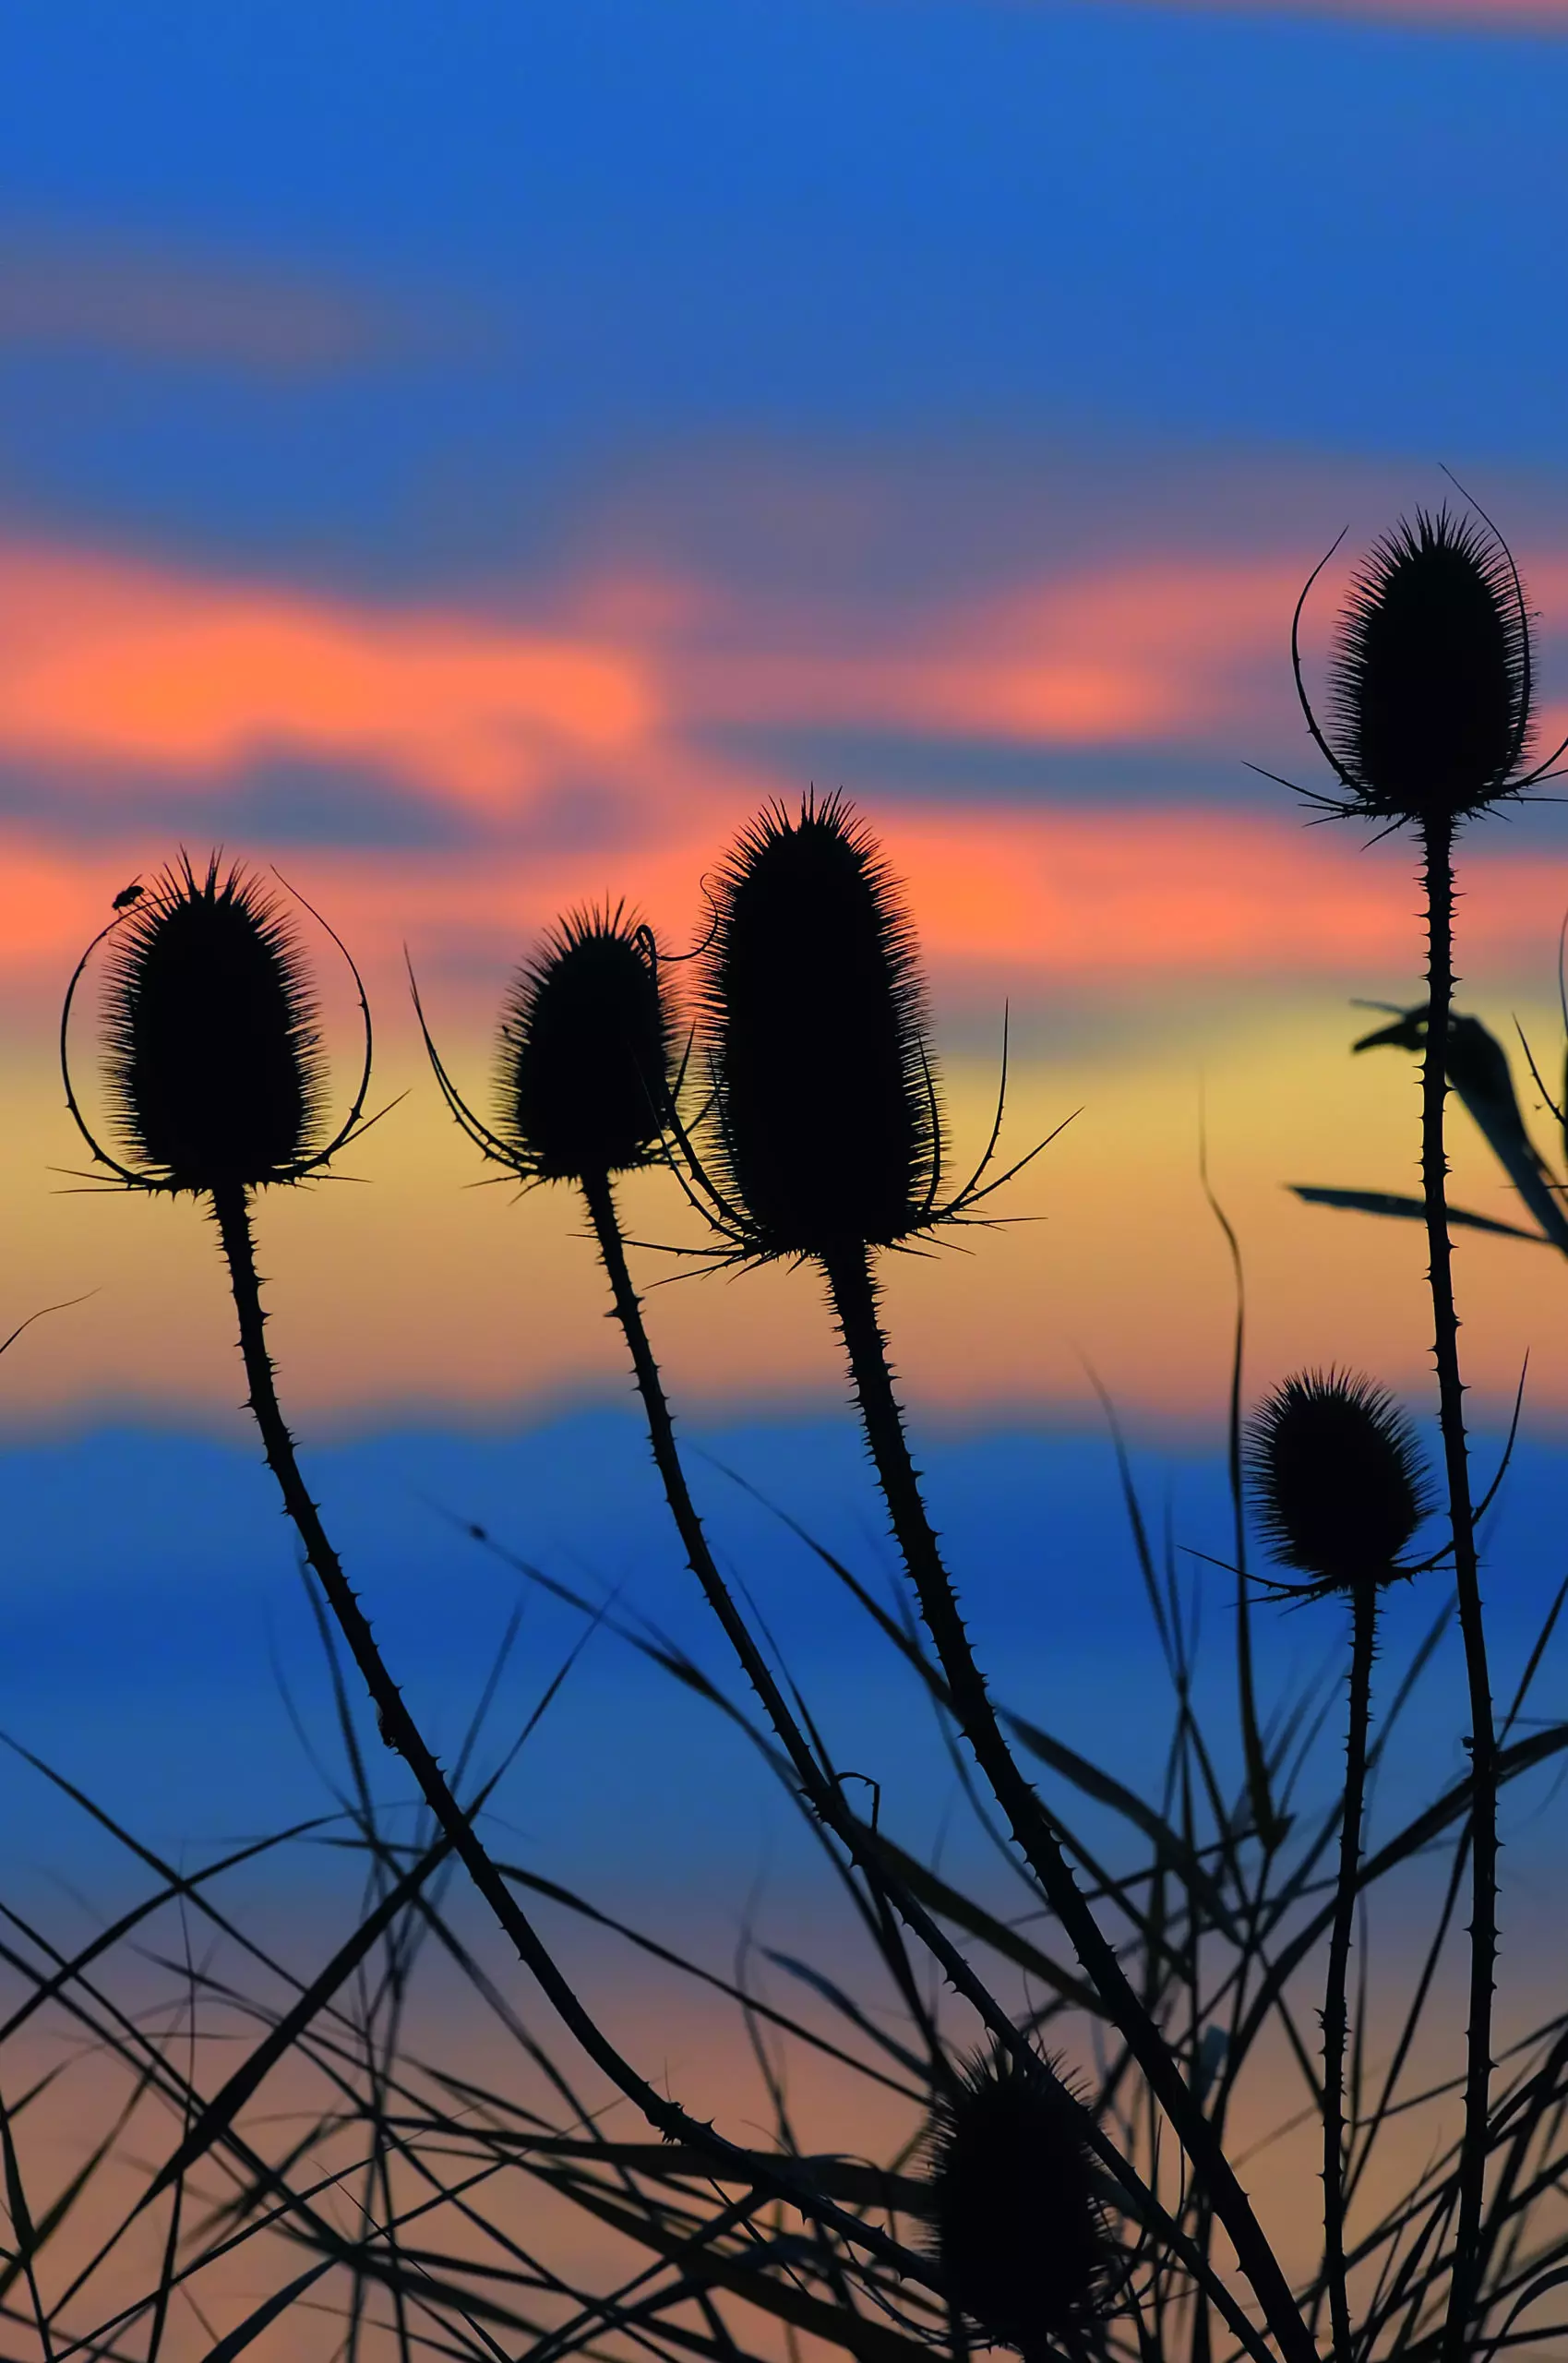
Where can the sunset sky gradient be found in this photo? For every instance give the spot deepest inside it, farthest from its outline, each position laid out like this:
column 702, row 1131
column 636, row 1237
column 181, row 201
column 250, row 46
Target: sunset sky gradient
column 470, row 457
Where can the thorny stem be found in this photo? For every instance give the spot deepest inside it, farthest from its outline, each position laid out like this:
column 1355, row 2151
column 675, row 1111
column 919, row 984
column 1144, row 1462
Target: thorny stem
column 1364, row 1615
column 1438, row 850
column 232, row 1211
column 599, row 1196
column 818, row 1782
column 853, row 1294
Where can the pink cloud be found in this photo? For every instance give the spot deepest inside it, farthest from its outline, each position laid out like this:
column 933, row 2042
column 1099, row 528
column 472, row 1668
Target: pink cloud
column 1143, row 650
column 120, row 666
column 114, row 671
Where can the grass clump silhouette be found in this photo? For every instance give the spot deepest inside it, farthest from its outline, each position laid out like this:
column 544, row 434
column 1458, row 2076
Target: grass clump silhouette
column 1015, row 2216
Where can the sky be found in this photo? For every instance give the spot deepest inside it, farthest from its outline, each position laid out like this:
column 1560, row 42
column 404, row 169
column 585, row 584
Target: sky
column 470, row 457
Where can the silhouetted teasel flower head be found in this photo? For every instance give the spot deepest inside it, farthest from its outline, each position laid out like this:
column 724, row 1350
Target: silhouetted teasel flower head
column 1018, row 2229
column 825, row 1132
column 585, row 1052
column 1337, row 1480
column 212, row 1042
column 213, row 1063
column 1431, row 683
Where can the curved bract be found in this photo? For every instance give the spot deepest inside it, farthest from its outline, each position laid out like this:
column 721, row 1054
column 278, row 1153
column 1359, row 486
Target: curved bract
column 825, row 1129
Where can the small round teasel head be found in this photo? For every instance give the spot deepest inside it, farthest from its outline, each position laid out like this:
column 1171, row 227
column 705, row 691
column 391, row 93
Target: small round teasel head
column 1431, row 681
column 1337, row 1480
column 1019, row 2233
column 584, row 1057
column 825, row 1129
column 214, row 1059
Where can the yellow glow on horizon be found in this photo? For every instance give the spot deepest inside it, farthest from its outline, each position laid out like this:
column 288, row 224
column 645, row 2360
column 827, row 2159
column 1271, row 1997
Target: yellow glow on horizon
column 409, row 1292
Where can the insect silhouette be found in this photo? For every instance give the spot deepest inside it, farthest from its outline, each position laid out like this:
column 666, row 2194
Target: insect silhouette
column 129, row 895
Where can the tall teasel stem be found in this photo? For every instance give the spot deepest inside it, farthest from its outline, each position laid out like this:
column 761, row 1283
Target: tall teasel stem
column 1438, row 878
column 598, row 1191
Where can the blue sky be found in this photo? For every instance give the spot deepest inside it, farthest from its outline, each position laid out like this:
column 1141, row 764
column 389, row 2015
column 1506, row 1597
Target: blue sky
column 571, row 242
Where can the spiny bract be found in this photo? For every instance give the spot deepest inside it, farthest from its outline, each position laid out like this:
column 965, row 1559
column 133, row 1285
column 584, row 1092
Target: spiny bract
column 585, row 1050
column 1336, row 1479
column 1019, row 2232
column 1431, row 681
column 214, row 1049
column 825, row 1131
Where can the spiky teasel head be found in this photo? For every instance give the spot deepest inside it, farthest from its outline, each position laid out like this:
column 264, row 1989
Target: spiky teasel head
column 1019, row 2232
column 1337, row 1480
column 585, row 1052
column 825, row 1131
column 213, row 1051
column 1431, row 682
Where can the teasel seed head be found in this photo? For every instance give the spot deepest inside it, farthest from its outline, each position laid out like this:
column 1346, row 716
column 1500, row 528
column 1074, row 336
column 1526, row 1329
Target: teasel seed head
column 1431, row 679
column 585, row 1050
column 825, row 1130
column 1019, row 2231
column 214, row 1049
column 1336, row 1479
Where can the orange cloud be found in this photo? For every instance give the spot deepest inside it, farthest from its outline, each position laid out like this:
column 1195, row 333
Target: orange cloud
column 113, row 664
column 120, row 670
